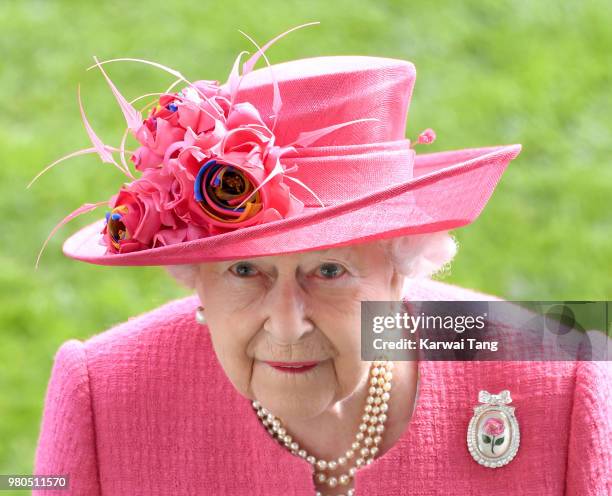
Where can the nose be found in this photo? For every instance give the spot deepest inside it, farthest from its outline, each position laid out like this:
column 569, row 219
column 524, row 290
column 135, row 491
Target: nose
column 286, row 319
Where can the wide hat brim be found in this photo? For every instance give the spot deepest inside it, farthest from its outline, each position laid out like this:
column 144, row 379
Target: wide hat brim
column 449, row 190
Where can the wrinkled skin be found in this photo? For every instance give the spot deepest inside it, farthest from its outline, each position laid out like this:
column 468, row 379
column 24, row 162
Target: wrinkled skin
column 304, row 307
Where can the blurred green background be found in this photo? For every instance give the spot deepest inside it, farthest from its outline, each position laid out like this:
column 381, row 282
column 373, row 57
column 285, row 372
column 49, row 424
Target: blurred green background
column 494, row 72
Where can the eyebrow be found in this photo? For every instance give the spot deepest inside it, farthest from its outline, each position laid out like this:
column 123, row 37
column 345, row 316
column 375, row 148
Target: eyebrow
column 346, row 255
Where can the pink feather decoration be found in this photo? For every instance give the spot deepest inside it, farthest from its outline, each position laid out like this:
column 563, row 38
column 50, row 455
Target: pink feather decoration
column 234, row 78
column 306, row 138
column 143, row 61
column 132, row 116
column 84, row 151
column 249, row 64
column 277, row 102
column 100, row 147
column 87, row 207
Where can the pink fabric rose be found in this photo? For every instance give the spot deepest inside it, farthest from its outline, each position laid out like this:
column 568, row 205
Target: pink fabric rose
column 179, row 201
column 154, row 210
column 184, row 232
column 156, row 135
column 201, row 108
column 132, row 222
column 208, row 166
column 238, row 181
column 199, row 111
column 232, row 194
column 196, row 149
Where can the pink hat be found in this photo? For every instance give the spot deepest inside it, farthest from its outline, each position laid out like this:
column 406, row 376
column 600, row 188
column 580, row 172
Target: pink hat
column 303, row 155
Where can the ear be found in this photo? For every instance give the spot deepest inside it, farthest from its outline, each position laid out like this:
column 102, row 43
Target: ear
column 199, row 293
column 397, row 285
column 197, row 283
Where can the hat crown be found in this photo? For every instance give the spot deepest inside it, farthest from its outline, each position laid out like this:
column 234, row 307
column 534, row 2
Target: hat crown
column 322, row 91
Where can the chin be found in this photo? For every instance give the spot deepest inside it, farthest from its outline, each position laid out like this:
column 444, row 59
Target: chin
column 292, row 400
column 297, row 406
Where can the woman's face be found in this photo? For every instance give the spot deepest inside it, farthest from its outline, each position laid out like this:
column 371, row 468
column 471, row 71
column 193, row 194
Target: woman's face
column 295, row 308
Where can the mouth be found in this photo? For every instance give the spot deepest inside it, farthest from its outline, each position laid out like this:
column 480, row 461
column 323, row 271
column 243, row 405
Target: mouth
column 293, row 367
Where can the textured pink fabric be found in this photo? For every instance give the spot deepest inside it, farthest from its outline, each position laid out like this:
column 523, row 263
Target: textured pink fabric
column 366, row 174
column 322, row 91
column 145, row 409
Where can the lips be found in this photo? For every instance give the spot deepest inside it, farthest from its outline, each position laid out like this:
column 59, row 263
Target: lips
column 293, row 366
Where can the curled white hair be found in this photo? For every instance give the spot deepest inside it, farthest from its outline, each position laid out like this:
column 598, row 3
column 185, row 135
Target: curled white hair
column 421, row 255
column 413, row 256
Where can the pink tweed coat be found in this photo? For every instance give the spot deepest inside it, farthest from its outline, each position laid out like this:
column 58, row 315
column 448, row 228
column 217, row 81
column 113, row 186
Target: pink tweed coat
column 145, row 408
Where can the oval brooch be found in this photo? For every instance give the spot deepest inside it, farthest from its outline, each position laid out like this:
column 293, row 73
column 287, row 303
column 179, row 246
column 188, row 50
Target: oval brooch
column 493, row 435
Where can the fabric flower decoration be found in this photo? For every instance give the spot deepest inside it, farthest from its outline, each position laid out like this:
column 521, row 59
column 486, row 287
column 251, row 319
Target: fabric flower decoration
column 208, row 165
column 132, row 222
column 197, row 107
column 232, row 194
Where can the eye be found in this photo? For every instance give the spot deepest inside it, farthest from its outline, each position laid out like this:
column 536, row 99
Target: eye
column 331, row 270
column 243, row 270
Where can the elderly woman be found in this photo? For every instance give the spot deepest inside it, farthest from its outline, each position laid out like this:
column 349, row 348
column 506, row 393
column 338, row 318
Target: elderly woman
column 255, row 385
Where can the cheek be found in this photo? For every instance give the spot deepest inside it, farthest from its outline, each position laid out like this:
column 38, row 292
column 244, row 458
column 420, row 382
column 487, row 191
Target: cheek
column 343, row 331
column 338, row 313
column 231, row 335
column 229, row 314
column 340, row 321
column 231, row 351
column 339, row 317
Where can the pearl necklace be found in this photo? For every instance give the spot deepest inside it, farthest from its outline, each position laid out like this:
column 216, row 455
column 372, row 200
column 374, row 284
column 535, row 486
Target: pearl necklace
column 370, row 431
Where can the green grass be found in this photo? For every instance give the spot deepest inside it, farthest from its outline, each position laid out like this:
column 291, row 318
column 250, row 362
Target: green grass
column 536, row 73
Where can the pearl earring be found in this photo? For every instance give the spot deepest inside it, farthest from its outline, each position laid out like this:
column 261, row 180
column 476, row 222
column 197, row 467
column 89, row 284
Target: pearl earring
column 199, row 315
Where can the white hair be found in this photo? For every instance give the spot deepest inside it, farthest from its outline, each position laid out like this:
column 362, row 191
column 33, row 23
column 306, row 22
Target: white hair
column 413, row 256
